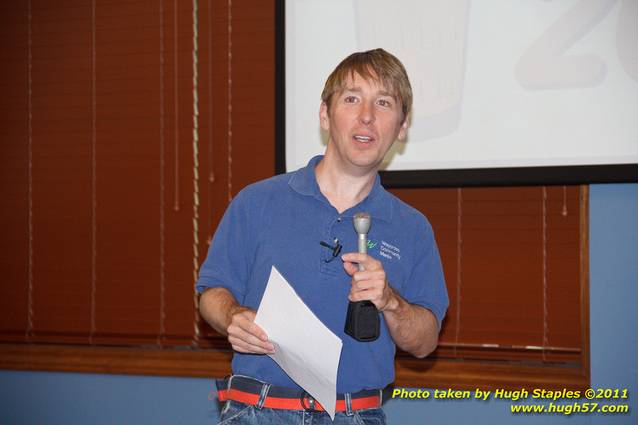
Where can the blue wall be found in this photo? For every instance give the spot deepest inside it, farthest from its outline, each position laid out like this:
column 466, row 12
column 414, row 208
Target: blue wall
column 64, row 399
column 613, row 299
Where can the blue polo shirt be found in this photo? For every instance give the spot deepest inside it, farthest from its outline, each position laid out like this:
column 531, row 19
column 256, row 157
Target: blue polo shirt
column 280, row 221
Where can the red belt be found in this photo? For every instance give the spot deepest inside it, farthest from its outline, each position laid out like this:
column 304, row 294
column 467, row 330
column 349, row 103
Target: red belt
column 248, row 394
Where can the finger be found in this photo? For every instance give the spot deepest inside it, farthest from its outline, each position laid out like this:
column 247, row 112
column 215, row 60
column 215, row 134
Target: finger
column 366, row 286
column 363, row 295
column 372, row 295
column 246, row 329
column 250, row 338
column 245, row 347
column 245, row 321
column 350, row 268
column 257, row 331
column 360, row 284
column 376, row 275
column 368, row 262
column 239, row 334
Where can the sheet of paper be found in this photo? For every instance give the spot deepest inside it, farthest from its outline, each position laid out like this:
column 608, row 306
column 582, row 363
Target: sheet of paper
column 305, row 348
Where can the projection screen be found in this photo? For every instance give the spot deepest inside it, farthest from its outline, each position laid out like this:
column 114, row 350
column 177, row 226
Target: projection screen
column 505, row 91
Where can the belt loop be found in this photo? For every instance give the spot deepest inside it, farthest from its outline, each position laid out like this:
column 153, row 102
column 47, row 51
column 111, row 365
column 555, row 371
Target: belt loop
column 380, row 397
column 262, row 396
column 348, row 399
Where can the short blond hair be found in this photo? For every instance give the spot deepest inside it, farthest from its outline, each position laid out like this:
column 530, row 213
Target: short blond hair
column 376, row 65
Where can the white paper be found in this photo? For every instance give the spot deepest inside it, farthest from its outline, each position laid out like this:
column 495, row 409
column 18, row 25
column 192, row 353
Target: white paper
column 305, row 348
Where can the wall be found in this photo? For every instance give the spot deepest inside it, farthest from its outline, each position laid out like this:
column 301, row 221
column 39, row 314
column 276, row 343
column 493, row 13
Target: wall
column 39, row 397
column 614, row 291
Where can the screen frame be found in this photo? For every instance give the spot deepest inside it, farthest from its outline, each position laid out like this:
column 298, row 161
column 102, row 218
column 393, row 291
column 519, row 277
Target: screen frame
column 468, row 177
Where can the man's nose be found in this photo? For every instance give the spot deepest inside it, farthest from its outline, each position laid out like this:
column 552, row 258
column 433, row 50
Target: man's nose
column 366, row 113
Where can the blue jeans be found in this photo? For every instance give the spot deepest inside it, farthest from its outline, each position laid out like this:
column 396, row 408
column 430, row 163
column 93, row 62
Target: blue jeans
column 235, row 413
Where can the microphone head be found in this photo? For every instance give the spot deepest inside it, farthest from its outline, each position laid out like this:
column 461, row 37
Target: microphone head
column 362, row 223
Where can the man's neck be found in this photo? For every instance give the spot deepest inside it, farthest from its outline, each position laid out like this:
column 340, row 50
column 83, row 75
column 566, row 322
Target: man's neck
column 343, row 189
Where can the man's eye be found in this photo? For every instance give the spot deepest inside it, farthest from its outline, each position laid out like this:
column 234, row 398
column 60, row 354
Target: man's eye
column 350, row 99
column 385, row 103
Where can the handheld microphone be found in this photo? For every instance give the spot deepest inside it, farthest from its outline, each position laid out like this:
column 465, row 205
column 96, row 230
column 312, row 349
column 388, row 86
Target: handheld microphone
column 362, row 320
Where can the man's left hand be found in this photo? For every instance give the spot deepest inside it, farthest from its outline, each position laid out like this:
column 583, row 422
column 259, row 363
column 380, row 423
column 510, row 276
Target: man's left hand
column 370, row 284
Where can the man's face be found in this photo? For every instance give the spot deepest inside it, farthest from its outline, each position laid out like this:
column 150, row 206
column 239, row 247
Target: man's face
column 363, row 123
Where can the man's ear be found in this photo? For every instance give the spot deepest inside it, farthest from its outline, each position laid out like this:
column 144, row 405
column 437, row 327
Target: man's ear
column 403, row 131
column 324, row 118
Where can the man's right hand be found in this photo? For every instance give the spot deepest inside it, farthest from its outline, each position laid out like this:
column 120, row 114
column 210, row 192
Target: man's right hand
column 222, row 311
column 244, row 335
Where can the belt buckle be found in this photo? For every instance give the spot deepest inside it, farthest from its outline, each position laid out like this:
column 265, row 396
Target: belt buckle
column 311, row 402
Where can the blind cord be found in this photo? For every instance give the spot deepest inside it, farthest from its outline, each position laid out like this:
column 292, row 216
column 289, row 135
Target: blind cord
column 230, row 101
column 195, row 55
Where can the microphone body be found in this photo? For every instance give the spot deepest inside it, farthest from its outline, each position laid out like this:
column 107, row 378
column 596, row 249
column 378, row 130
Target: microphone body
column 362, row 320
column 362, row 244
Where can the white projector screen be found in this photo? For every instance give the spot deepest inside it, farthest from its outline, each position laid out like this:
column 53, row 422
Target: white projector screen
column 524, row 85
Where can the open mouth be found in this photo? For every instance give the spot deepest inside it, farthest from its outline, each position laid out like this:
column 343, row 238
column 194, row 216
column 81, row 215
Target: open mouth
column 363, row 139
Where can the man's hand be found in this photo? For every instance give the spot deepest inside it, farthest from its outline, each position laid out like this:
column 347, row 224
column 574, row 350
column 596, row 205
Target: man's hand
column 370, row 284
column 222, row 311
column 413, row 328
column 244, row 335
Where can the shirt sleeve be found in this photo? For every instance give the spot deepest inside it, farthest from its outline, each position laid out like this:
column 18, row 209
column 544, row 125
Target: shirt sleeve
column 426, row 284
column 227, row 263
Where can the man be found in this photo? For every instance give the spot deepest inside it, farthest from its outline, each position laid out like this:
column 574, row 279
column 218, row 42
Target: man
column 281, row 221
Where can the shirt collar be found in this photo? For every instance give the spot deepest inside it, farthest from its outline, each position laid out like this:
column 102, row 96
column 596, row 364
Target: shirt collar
column 378, row 203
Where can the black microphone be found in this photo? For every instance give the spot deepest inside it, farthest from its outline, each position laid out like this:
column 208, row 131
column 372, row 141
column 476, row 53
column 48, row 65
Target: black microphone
column 336, row 249
column 362, row 320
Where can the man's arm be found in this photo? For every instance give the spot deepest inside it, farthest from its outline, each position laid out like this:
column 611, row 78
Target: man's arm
column 222, row 311
column 413, row 328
